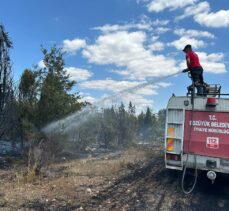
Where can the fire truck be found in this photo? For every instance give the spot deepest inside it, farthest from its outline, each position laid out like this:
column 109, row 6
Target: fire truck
column 197, row 133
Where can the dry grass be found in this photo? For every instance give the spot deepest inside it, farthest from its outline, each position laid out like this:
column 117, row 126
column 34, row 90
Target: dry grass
column 71, row 180
column 107, row 166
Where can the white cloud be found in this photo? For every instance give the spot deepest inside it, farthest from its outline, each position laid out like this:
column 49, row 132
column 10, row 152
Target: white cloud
column 202, row 7
column 121, row 72
column 41, row 64
column 126, row 50
column 87, row 98
column 138, row 97
column 126, row 86
column 159, row 22
column 202, row 14
column 160, row 5
column 162, row 30
column 139, row 101
column 216, row 20
column 145, row 24
column 72, row 46
column 157, row 46
column 183, row 41
column 125, row 27
column 165, row 84
column 190, row 36
column 154, row 38
column 213, row 57
column 118, row 86
column 154, row 22
column 193, row 33
column 211, row 63
column 78, row 74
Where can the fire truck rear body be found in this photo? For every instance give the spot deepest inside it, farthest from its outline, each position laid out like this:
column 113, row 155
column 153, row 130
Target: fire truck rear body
column 200, row 130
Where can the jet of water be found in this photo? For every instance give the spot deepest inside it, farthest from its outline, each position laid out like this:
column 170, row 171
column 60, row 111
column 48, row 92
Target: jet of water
column 73, row 121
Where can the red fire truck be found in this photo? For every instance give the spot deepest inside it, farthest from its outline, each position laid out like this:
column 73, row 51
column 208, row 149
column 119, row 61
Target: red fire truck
column 197, row 133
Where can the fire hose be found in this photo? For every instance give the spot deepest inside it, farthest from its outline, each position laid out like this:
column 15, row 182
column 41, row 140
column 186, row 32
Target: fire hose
column 189, row 147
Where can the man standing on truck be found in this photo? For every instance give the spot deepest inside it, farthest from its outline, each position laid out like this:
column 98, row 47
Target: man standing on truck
column 194, row 68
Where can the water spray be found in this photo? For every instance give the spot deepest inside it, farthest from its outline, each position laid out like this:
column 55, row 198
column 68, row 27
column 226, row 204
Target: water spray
column 73, row 121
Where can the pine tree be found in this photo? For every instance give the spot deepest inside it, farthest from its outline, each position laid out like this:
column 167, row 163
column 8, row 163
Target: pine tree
column 56, row 101
column 161, row 122
column 148, row 118
column 28, row 99
column 7, row 95
column 131, row 109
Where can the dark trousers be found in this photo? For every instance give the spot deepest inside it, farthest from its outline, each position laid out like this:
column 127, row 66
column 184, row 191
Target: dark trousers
column 197, row 76
column 198, row 80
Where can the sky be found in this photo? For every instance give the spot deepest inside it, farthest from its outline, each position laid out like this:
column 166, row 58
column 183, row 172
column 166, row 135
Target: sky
column 117, row 44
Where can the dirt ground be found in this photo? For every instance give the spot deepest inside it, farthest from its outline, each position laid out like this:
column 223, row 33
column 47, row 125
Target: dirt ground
column 132, row 180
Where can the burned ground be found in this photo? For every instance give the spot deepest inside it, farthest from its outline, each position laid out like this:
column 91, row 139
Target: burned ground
column 132, row 180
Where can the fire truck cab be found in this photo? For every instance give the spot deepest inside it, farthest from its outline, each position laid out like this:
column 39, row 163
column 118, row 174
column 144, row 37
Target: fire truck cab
column 198, row 127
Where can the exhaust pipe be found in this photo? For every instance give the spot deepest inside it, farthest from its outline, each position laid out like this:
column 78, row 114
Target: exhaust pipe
column 212, row 176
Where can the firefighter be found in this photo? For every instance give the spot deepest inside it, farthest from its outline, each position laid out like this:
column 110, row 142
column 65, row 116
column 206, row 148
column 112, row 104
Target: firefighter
column 194, row 68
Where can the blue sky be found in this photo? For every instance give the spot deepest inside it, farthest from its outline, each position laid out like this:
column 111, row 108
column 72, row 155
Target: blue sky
column 117, row 44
